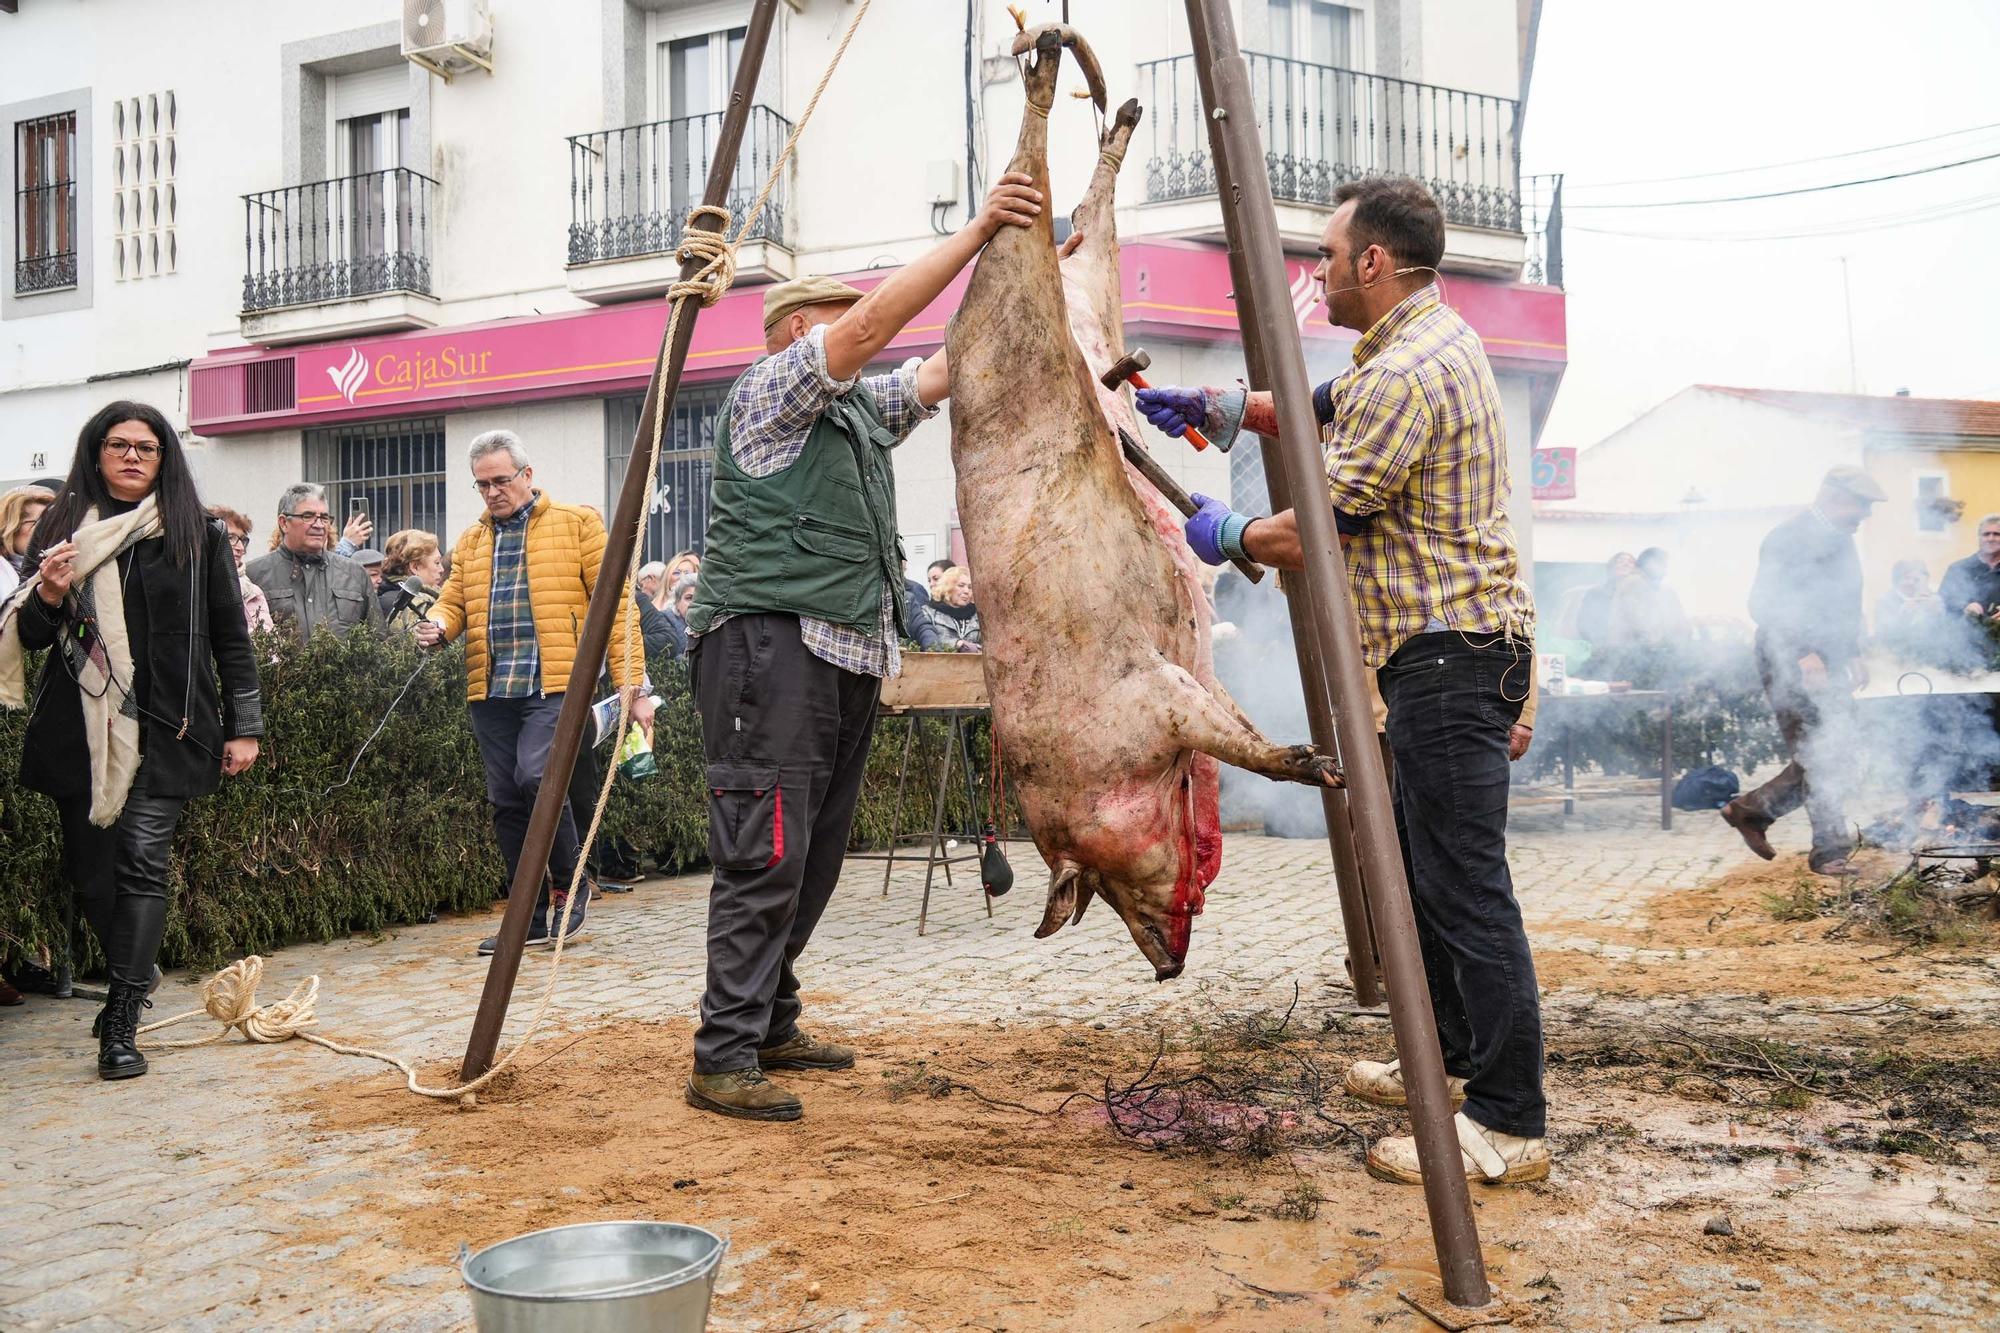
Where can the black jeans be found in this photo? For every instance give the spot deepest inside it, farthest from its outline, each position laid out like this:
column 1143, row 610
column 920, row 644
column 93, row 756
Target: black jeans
column 785, row 738
column 119, row 876
column 514, row 736
column 1452, row 700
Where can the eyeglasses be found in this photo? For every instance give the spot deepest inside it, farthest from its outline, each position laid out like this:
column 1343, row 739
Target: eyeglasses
column 311, row 520
column 145, row 449
column 240, row 541
column 488, row 487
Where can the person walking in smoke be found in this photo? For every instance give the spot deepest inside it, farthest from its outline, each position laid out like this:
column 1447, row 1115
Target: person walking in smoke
column 1806, row 600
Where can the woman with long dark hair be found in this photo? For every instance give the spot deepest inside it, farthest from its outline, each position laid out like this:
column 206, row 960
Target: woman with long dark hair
column 135, row 590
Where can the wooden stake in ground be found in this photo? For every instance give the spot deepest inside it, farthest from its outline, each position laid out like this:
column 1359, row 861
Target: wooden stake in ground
column 614, row 576
column 1257, row 265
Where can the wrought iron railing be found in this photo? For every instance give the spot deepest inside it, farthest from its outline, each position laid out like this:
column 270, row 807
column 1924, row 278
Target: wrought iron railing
column 630, row 189
column 339, row 239
column 1323, row 126
column 45, row 203
column 1542, row 220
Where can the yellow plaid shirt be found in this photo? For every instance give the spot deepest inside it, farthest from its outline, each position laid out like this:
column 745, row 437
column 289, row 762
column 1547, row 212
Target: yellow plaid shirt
column 1416, row 442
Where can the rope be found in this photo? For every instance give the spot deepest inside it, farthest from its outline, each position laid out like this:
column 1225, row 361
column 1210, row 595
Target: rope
column 229, row 997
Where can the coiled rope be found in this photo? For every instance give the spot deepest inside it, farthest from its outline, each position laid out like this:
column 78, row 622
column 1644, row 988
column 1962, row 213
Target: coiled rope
column 230, row 996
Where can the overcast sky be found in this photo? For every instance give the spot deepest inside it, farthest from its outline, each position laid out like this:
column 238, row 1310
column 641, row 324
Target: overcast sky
column 1623, row 92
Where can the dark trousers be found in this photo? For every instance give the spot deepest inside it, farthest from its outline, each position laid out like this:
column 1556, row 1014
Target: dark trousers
column 1815, row 725
column 785, row 739
column 1452, row 700
column 514, row 736
column 119, row 876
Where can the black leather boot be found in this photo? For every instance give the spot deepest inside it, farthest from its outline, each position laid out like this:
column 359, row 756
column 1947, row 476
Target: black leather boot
column 118, row 1041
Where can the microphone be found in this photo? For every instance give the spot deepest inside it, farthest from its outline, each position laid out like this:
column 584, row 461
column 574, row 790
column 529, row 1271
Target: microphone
column 407, row 593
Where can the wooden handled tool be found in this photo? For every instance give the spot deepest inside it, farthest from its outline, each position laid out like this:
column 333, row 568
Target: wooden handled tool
column 1126, row 368
column 1150, row 469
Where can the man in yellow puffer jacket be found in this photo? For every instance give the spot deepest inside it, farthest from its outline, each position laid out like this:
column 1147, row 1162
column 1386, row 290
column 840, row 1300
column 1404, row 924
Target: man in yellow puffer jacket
column 521, row 581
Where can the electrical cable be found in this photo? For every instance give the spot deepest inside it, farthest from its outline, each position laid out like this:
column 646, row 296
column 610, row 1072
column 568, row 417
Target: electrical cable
column 1777, row 166
column 1940, row 213
column 1783, row 194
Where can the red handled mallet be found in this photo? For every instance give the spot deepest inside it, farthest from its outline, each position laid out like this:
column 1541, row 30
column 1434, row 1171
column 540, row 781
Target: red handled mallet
column 1127, row 368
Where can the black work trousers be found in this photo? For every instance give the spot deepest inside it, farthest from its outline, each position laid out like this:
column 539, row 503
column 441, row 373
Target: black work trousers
column 119, row 876
column 1819, row 734
column 514, row 737
column 785, row 739
column 1452, row 700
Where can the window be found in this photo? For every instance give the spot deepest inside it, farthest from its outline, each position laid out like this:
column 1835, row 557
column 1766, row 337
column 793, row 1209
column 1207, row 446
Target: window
column 1934, row 509
column 45, row 177
column 694, row 78
column 1315, row 31
column 678, row 517
column 394, row 470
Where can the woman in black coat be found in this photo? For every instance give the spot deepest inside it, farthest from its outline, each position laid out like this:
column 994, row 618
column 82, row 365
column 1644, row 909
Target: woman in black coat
column 128, row 534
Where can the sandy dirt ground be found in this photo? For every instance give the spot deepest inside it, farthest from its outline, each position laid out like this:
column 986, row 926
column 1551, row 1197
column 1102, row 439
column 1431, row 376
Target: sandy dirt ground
column 1758, row 1123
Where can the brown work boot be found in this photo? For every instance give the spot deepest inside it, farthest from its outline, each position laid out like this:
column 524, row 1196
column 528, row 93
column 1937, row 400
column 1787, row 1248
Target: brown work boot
column 802, row 1052
column 743, row 1093
column 1751, row 825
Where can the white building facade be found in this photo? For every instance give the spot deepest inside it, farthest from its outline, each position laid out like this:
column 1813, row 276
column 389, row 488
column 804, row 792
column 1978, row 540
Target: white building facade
column 328, row 263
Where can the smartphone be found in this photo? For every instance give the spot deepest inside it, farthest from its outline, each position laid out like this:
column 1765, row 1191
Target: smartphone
column 357, row 507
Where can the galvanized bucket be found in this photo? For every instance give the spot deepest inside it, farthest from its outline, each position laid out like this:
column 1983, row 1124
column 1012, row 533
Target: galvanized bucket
column 596, row 1277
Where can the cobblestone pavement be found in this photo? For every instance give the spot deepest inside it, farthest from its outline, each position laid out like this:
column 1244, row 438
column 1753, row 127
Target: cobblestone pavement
column 156, row 1204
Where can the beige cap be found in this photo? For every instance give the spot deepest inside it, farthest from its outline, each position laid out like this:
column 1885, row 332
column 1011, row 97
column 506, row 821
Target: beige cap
column 1854, row 481
column 812, row 289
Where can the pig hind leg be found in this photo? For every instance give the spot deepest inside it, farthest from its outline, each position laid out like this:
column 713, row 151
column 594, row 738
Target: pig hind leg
column 1201, row 721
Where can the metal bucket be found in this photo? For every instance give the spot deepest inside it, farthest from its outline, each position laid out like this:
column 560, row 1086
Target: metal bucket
column 596, row 1277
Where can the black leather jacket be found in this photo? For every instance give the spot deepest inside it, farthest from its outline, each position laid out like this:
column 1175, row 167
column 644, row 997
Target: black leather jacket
column 186, row 627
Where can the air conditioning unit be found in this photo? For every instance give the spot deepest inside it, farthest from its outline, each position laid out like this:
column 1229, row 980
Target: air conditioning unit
column 448, row 37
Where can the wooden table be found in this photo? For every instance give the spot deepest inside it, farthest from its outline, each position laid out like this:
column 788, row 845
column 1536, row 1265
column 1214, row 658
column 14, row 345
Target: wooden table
column 1561, row 716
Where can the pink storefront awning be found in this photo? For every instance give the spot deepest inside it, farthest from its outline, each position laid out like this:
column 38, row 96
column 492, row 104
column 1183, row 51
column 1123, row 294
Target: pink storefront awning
column 1172, row 289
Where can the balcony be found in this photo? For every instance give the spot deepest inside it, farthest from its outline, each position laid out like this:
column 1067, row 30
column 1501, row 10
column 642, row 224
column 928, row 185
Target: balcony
column 630, row 191
column 1542, row 221
column 338, row 257
column 1322, row 127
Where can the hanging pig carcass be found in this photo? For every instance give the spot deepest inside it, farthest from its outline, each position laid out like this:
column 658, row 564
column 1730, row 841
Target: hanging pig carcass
column 1105, row 702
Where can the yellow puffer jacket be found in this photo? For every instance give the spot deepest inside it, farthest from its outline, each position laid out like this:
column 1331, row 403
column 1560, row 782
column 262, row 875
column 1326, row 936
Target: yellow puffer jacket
column 565, row 548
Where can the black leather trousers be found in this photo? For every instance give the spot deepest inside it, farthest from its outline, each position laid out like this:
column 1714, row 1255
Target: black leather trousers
column 119, row 875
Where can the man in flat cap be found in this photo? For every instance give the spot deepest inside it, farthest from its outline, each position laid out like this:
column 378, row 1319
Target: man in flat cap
column 1807, row 604
column 795, row 623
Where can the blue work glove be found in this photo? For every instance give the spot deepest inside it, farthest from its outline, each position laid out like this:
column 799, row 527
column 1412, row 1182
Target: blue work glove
column 1215, row 531
column 1216, row 412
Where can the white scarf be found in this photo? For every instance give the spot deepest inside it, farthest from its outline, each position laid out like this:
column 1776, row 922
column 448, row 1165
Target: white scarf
column 103, row 664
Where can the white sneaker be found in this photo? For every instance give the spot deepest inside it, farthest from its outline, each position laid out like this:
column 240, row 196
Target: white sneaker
column 1382, row 1084
column 1488, row 1155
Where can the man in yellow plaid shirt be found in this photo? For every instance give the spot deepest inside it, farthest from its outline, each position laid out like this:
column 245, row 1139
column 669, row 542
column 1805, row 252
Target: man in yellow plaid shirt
column 1416, row 472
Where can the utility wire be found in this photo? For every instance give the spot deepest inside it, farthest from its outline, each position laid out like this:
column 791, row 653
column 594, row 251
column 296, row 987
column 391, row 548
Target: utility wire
column 1804, row 189
column 1961, row 208
column 1776, row 166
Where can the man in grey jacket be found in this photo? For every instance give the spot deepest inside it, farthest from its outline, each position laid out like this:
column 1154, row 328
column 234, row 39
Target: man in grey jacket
column 307, row 586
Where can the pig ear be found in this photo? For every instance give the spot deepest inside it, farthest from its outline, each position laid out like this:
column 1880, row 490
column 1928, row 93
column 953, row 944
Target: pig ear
column 1062, row 900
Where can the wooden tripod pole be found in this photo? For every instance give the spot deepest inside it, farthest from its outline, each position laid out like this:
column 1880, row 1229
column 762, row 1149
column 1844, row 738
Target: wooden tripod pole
column 613, row 580
column 1257, row 265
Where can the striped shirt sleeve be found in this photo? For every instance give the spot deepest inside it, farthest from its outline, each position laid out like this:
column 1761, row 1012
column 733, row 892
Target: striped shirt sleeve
column 1381, row 426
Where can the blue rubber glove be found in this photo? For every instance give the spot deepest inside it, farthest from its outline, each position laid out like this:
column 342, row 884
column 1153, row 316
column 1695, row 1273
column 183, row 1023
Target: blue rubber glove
column 1216, row 412
column 1215, row 531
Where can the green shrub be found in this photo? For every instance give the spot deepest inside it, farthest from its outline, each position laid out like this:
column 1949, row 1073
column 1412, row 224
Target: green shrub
column 276, row 857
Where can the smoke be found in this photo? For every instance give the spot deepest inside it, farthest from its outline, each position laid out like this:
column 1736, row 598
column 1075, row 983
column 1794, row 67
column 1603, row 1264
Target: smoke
column 1258, row 664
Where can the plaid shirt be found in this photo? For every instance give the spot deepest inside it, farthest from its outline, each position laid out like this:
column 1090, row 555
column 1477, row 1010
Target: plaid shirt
column 1417, row 448
column 514, row 669
column 777, row 403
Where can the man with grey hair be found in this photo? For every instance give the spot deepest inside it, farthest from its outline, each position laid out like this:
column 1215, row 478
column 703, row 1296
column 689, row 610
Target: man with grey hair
column 307, row 586
column 1971, row 587
column 651, row 599
column 520, row 585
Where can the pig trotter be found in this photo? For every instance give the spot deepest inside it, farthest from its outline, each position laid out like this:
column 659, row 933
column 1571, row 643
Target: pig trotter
column 1307, row 765
column 1202, row 721
column 1051, row 36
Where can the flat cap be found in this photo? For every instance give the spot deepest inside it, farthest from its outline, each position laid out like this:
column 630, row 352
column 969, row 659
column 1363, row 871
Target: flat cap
column 368, row 555
column 1849, row 478
column 812, row 289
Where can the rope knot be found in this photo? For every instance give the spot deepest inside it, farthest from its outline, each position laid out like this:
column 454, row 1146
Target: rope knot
column 230, row 998
column 716, row 251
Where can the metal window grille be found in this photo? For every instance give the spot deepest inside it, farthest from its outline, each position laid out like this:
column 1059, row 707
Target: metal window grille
column 677, row 519
column 395, row 469
column 630, row 189
column 45, row 203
